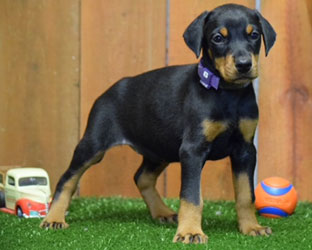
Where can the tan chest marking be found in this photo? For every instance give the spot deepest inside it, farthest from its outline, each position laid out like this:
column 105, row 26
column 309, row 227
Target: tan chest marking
column 248, row 128
column 211, row 129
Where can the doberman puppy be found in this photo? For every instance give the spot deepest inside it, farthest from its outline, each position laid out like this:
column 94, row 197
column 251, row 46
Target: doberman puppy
column 186, row 114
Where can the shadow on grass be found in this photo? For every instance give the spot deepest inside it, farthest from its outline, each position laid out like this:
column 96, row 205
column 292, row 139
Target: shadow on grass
column 139, row 216
column 220, row 225
column 119, row 211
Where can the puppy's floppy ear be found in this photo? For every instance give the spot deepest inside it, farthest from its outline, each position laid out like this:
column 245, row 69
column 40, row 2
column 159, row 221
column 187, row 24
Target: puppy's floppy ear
column 269, row 35
column 194, row 33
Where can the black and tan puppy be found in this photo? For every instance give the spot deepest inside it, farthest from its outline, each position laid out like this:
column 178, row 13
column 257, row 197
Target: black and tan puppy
column 186, row 114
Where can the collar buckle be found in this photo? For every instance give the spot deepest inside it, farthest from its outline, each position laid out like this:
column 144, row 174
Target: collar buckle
column 207, row 78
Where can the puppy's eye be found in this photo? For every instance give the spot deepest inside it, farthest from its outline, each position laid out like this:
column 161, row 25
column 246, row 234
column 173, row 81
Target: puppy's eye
column 254, row 35
column 218, row 38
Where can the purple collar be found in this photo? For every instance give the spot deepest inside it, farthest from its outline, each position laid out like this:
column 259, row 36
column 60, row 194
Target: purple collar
column 207, row 78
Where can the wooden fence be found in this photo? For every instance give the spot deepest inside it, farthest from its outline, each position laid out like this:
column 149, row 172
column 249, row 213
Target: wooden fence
column 58, row 56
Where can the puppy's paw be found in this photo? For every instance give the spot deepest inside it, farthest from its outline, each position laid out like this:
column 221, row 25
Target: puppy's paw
column 191, row 238
column 53, row 225
column 173, row 218
column 256, row 230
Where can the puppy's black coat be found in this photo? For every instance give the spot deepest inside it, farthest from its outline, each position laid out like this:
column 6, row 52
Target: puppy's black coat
column 167, row 115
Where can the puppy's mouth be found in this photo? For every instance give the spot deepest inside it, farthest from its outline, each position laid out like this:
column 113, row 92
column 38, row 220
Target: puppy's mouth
column 236, row 78
column 242, row 79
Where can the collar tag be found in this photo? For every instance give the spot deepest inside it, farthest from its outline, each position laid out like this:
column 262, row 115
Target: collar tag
column 207, row 78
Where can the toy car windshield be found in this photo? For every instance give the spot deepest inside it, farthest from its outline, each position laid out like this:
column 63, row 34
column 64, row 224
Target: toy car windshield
column 32, row 181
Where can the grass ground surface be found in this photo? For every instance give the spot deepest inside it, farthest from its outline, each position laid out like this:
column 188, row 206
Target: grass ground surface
column 116, row 223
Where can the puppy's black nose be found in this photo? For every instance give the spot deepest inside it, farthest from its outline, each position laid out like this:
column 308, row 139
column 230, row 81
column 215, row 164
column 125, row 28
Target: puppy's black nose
column 243, row 64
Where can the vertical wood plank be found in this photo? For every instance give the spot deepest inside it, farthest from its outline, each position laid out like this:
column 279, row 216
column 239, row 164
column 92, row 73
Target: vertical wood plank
column 285, row 139
column 216, row 177
column 39, row 83
column 275, row 132
column 119, row 38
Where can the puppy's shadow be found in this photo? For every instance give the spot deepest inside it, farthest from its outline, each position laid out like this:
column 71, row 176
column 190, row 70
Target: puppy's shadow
column 221, row 225
column 113, row 211
column 102, row 213
column 140, row 216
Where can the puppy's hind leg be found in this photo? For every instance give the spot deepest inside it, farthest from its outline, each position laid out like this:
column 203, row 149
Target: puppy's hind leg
column 101, row 133
column 145, row 179
column 85, row 155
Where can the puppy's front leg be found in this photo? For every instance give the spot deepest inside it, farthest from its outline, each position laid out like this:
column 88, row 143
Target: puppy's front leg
column 243, row 164
column 191, row 203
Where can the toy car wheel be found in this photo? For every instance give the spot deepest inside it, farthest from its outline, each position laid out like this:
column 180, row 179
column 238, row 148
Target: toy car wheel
column 2, row 200
column 19, row 212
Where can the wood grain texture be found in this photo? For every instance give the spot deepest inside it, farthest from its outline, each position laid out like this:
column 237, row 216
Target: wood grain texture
column 39, row 83
column 285, row 141
column 47, row 47
column 119, row 38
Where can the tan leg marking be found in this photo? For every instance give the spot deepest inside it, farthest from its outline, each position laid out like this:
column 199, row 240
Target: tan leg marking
column 189, row 227
column 56, row 217
column 248, row 128
column 146, row 185
column 211, row 129
column 246, row 212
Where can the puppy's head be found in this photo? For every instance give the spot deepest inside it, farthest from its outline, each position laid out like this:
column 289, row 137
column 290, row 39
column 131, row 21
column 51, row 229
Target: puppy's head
column 230, row 37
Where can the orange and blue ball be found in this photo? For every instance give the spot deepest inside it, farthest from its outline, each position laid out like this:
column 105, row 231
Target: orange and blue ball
column 276, row 197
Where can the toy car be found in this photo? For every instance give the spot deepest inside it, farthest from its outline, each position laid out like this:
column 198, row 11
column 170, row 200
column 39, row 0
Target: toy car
column 24, row 191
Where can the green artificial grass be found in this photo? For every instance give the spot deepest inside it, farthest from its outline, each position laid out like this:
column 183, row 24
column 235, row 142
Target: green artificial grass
column 117, row 223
